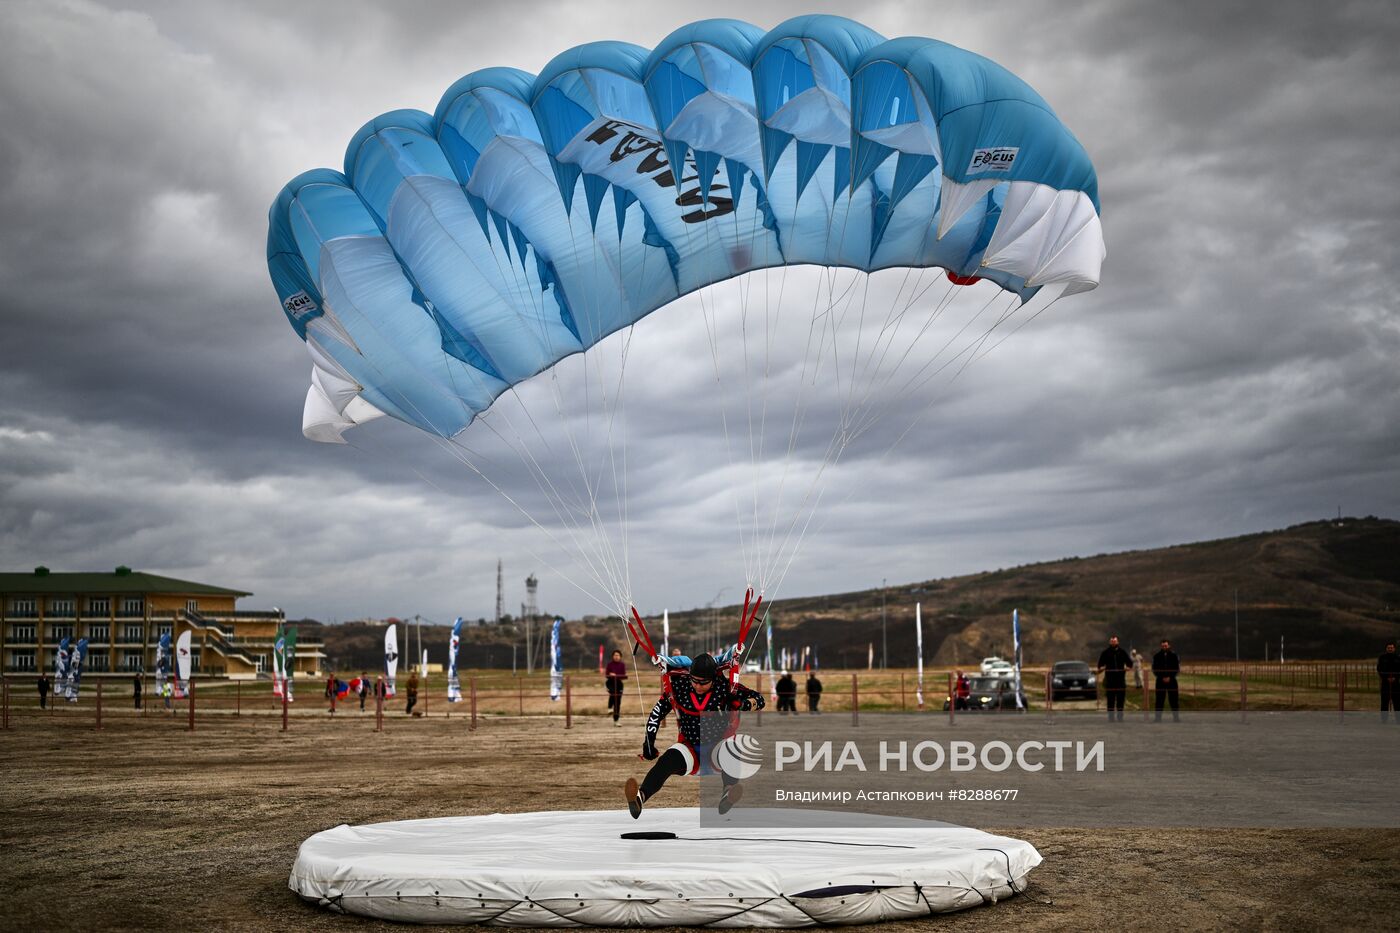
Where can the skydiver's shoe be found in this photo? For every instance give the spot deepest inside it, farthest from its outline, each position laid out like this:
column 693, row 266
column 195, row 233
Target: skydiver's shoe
column 634, row 797
column 731, row 795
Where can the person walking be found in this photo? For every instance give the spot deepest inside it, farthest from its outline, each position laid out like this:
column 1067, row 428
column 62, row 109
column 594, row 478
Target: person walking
column 1114, row 665
column 1165, row 667
column 43, row 685
column 962, row 692
column 136, row 691
column 412, row 692
column 616, row 677
column 787, row 694
column 364, row 690
column 1388, row 669
column 814, row 692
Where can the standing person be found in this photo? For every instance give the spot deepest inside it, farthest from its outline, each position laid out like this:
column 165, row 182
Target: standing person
column 412, row 692
column 43, row 685
column 330, row 691
column 1116, row 663
column 962, row 692
column 1388, row 668
column 136, row 690
column 787, row 694
column 1165, row 666
column 616, row 674
column 167, row 690
column 1137, row 668
column 364, row 690
column 814, row 692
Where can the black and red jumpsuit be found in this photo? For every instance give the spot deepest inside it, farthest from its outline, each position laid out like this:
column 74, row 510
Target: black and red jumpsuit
column 704, row 720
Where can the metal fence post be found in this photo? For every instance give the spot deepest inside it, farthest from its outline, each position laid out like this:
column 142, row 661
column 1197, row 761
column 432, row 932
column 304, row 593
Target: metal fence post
column 1049, row 692
column 568, row 702
column 379, row 704
column 902, row 707
column 238, row 698
column 952, row 697
column 5, row 702
column 1341, row 698
column 191, row 699
column 855, row 699
column 334, row 696
column 1244, row 694
column 284, row 707
column 471, row 681
column 99, row 705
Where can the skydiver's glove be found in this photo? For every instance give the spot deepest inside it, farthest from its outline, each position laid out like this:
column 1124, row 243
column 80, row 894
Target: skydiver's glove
column 649, row 748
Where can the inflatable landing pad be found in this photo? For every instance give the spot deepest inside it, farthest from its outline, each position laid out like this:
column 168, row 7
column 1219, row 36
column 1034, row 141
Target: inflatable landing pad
column 572, row 868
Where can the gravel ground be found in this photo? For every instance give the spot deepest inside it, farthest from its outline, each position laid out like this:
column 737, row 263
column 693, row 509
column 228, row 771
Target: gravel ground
column 145, row 825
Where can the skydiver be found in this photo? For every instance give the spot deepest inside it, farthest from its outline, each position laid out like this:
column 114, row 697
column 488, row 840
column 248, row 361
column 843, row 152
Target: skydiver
column 703, row 702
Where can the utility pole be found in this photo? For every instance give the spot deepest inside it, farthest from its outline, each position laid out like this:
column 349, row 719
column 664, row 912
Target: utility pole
column 884, row 636
column 500, row 593
column 1237, row 623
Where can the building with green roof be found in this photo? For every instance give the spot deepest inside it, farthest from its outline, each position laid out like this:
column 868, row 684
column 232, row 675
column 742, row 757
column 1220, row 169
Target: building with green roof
column 124, row 612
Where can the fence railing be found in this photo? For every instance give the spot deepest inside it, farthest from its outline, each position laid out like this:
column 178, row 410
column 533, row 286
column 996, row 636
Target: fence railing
column 1343, row 687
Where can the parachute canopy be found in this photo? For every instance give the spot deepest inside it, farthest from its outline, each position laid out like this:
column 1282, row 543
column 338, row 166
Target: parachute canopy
column 530, row 216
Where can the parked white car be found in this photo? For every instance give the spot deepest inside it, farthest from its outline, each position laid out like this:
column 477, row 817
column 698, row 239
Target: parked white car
column 988, row 662
column 1003, row 670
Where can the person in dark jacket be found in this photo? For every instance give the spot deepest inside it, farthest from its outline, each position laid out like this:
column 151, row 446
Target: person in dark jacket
column 412, row 692
column 1114, row 665
column 43, row 685
column 364, row 690
column 616, row 674
column 136, row 690
column 814, row 692
column 1388, row 669
column 787, row 693
column 1165, row 667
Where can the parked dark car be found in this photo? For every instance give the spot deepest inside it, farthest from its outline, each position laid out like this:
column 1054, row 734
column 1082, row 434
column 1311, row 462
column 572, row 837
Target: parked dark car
column 992, row 693
column 1073, row 680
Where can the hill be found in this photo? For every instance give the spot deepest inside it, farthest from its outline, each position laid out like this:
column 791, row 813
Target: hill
column 1330, row 589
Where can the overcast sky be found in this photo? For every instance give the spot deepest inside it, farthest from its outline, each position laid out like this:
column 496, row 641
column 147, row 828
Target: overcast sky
column 1236, row 371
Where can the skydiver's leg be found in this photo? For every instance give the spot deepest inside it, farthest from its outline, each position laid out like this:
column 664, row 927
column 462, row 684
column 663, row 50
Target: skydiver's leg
column 675, row 761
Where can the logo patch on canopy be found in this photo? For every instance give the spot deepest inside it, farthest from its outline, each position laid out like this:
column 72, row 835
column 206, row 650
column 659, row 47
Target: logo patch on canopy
column 998, row 159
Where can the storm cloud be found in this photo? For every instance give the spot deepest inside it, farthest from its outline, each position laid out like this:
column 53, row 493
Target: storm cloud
column 1236, row 370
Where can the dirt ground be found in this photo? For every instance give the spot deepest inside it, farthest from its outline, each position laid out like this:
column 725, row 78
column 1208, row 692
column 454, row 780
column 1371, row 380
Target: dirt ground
column 145, row 825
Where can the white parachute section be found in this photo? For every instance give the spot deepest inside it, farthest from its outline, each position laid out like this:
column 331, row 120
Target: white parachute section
column 574, row 868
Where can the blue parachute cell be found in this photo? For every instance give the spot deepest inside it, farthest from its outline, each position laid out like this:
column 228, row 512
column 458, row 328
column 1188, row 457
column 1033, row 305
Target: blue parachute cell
column 460, row 252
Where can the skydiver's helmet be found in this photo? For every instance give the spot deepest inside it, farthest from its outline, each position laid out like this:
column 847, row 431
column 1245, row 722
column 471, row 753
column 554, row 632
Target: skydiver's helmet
column 703, row 668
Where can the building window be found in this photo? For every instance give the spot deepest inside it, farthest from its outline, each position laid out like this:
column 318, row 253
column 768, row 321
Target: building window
column 191, row 605
column 22, row 660
column 164, row 628
column 98, row 631
column 97, row 661
column 61, row 608
column 24, row 634
column 100, row 606
column 259, row 663
column 133, row 606
column 60, row 632
column 194, row 660
column 133, row 633
column 131, row 660
column 23, row 609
